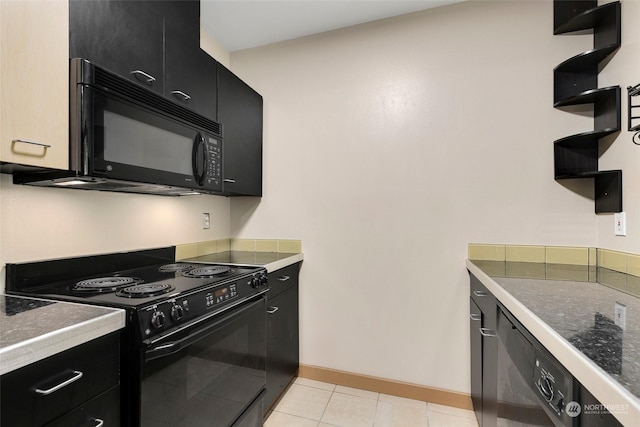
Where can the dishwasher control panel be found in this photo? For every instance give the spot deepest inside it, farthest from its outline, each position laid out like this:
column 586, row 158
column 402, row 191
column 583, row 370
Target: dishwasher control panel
column 553, row 382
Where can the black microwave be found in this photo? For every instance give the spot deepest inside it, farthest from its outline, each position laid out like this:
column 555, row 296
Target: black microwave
column 124, row 137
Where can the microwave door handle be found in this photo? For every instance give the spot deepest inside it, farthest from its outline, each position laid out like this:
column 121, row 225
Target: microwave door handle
column 199, row 167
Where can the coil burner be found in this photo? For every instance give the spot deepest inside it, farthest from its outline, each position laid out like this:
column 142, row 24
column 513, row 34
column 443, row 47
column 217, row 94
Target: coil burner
column 175, row 267
column 145, row 290
column 208, row 271
column 104, row 284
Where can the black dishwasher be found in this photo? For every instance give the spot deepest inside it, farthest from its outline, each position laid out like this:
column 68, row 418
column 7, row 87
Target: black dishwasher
column 534, row 389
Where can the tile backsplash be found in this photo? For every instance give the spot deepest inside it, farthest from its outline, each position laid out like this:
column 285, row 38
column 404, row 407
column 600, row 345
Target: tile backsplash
column 621, row 262
column 619, row 270
column 191, row 250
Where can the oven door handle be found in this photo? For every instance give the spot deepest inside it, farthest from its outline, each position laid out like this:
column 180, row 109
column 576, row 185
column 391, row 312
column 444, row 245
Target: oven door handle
column 172, row 347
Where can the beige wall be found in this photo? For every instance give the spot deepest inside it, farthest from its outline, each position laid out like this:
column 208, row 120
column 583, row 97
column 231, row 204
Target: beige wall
column 388, row 147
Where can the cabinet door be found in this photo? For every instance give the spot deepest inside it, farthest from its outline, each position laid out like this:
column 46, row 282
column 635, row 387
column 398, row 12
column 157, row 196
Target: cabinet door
column 475, row 323
column 190, row 73
column 34, row 83
column 282, row 343
column 240, row 112
column 484, row 354
column 490, row 367
column 124, row 37
column 181, row 14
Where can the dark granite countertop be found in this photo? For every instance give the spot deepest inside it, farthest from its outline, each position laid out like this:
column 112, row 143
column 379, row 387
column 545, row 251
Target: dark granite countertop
column 32, row 329
column 581, row 305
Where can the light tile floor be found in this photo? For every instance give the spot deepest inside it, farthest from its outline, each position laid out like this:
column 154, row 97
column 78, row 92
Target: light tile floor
column 310, row 403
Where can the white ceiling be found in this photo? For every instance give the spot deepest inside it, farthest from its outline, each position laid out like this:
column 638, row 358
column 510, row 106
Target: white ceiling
column 242, row 24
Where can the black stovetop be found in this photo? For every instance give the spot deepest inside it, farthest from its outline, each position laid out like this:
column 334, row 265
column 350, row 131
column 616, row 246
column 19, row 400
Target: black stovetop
column 116, row 279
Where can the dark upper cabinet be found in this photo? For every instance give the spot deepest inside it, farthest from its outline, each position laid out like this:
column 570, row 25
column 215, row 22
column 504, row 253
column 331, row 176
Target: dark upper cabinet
column 121, row 36
column 154, row 43
column 190, row 73
column 240, row 112
column 182, row 14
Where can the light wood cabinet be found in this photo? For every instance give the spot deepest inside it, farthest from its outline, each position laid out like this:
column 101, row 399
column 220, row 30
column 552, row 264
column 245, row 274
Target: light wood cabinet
column 34, row 83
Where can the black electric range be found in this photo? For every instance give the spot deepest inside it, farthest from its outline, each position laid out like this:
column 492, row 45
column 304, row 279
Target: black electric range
column 179, row 314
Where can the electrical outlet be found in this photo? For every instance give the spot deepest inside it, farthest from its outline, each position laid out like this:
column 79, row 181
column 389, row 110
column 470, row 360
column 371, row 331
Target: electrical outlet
column 620, row 221
column 206, row 221
column 620, row 315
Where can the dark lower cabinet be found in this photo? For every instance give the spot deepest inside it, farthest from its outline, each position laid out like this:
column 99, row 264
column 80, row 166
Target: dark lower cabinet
column 283, row 342
column 240, row 112
column 484, row 354
column 476, row 359
column 81, row 383
column 101, row 410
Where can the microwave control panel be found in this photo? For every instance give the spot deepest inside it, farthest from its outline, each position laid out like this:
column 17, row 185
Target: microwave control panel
column 213, row 179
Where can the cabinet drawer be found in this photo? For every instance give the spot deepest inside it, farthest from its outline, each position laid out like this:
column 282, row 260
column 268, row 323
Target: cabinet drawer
column 103, row 410
column 283, row 279
column 45, row 390
column 482, row 297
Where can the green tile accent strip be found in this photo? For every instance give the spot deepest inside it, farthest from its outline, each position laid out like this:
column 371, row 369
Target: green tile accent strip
column 525, row 253
column 192, row 250
column 617, row 261
column 613, row 260
column 567, row 255
column 487, row 252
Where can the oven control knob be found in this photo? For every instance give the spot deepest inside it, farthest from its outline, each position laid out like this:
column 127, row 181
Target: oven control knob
column 157, row 319
column 177, row 312
column 255, row 282
column 264, row 280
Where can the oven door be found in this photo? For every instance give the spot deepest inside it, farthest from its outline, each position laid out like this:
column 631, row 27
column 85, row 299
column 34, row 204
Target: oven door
column 212, row 374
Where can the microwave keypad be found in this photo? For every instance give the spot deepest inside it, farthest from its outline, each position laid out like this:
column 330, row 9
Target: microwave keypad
column 214, row 170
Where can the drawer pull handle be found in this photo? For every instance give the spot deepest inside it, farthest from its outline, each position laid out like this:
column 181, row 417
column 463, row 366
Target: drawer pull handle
column 99, row 422
column 180, row 94
column 230, row 181
column 24, row 141
column 142, row 76
column 480, row 293
column 475, row 316
column 284, row 278
column 272, row 310
column 485, row 332
column 76, row 376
